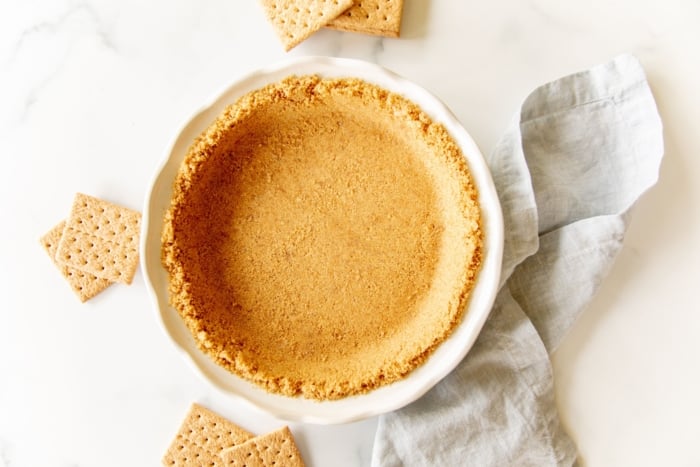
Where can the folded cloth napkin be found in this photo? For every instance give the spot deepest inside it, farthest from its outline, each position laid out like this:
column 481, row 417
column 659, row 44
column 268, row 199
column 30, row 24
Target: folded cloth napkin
column 581, row 152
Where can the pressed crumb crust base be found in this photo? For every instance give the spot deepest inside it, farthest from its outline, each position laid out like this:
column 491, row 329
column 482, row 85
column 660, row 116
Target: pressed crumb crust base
column 323, row 237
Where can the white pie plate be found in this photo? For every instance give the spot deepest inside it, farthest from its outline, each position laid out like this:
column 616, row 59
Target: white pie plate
column 381, row 400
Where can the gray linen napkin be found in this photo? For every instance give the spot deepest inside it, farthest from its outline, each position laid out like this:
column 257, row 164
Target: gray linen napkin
column 568, row 171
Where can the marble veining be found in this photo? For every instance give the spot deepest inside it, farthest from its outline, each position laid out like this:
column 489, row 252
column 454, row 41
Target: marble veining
column 50, row 27
column 5, row 454
column 377, row 50
column 40, row 52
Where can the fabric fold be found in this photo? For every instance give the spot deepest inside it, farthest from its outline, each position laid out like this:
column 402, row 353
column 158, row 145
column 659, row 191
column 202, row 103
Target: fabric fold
column 569, row 169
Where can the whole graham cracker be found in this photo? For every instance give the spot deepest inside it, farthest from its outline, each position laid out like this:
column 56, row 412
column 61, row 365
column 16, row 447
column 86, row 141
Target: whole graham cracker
column 101, row 238
column 202, row 437
column 378, row 17
column 296, row 20
column 275, row 448
column 84, row 284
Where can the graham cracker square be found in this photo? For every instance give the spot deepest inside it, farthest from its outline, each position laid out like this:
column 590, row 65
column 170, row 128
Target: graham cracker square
column 295, row 20
column 377, row 17
column 101, row 238
column 84, row 284
column 275, row 448
column 202, row 437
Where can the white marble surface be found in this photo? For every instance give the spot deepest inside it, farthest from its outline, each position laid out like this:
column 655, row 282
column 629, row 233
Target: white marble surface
column 91, row 91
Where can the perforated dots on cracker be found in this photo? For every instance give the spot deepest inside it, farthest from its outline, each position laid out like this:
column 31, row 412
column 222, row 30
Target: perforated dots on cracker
column 275, row 448
column 85, row 285
column 202, row 437
column 101, row 238
column 378, row 17
column 296, row 20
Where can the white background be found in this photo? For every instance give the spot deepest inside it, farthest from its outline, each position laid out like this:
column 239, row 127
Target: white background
column 92, row 91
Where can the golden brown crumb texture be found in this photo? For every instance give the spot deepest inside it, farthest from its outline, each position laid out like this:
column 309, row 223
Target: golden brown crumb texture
column 323, row 237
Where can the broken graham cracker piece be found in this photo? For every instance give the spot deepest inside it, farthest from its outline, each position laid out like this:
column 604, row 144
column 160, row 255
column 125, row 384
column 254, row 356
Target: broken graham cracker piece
column 296, row 20
column 275, row 448
column 102, row 239
column 84, row 284
column 202, row 437
column 378, row 17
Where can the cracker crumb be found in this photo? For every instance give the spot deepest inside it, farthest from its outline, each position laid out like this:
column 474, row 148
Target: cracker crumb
column 323, row 237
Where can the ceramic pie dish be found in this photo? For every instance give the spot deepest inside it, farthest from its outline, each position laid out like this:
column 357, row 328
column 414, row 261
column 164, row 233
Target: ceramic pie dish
column 273, row 327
